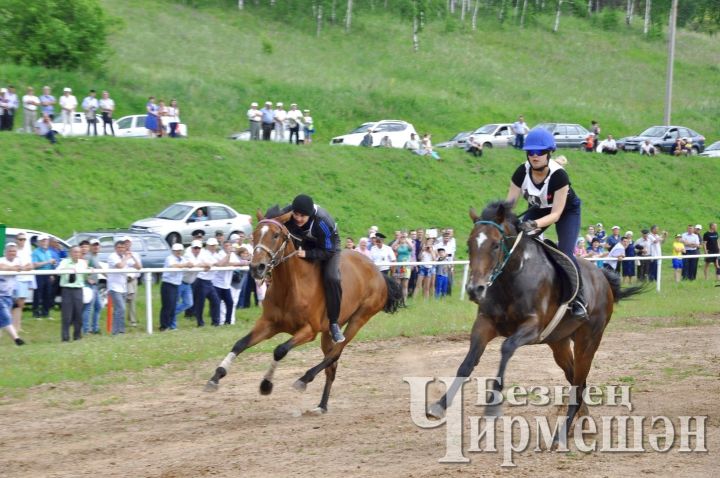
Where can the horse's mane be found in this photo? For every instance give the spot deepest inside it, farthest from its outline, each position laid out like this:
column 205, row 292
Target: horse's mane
column 273, row 212
column 500, row 212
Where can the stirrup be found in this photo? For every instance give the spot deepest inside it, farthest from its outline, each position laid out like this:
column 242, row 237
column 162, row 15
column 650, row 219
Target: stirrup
column 578, row 310
column 336, row 333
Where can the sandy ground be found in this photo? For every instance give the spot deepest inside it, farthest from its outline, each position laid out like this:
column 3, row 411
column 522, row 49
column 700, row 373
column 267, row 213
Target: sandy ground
column 160, row 424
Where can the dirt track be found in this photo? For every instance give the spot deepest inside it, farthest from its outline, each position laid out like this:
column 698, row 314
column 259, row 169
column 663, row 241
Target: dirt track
column 160, row 424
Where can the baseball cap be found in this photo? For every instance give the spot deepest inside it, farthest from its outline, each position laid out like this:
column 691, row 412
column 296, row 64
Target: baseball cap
column 616, row 227
column 177, row 247
column 3, row 90
column 67, row 90
column 20, row 234
column 196, row 243
column 253, row 104
column 279, row 103
column 380, row 235
column 234, row 237
column 698, row 226
column 94, row 241
column 212, row 242
column 125, row 239
column 678, row 235
column 629, row 233
column 599, row 224
column 645, row 231
column 42, row 237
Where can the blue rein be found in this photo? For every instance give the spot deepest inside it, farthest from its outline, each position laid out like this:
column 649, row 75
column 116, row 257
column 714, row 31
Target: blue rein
column 500, row 266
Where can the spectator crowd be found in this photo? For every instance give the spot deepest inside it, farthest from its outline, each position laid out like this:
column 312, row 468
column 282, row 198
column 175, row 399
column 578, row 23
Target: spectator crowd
column 278, row 124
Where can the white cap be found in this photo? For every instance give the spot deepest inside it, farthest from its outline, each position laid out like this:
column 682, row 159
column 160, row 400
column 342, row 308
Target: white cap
column 21, row 234
column 42, row 237
column 10, row 244
column 212, row 242
column 94, row 241
column 268, row 103
column 3, row 90
column 628, row 233
column 253, row 104
column 698, row 226
column 374, row 228
column 234, row 237
column 279, row 103
column 67, row 89
column 125, row 239
column 196, row 243
column 616, row 227
column 177, row 247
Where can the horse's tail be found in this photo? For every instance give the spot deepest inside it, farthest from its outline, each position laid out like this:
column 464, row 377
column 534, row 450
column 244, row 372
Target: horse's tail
column 619, row 292
column 394, row 295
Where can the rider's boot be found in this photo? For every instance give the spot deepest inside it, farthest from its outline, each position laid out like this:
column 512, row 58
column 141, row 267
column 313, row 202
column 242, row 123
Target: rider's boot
column 578, row 308
column 336, row 333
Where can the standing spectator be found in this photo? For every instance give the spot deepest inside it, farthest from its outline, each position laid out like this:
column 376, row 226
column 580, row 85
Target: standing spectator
column 613, row 238
column 255, row 119
column 72, row 294
column 362, row 247
column 172, row 116
column 30, row 105
column 600, row 233
column 426, row 272
column 107, row 108
column 349, row 243
column 161, row 121
column 5, row 111
column 590, row 235
column 25, row 283
column 223, row 283
column 608, row 146
column 43, row 260
column 239, row 277
column 279, row 116
column 403, row 251
column 152, row 120
column 647, row 148
column 9, row 262
column 90, row 105
column 68, row 105
column 628, row 266
column 590, row 143
column 47, row 103
column 678, row 252
column 656, row 239
column 185, row 290
column 442, row 272
column 595, row 128
column 642, row 249
column 616, row 254
column 520, row 129
column 381, row 253
column 310, row 127
column 294, row 119
column 43, row 127
column 691, row 240
column 710, row 246
column 170, row 285
column 117, row 283
column 132, row 284
column 91, row 310
column 268, row 120
column 206, row 290
column 14, row 104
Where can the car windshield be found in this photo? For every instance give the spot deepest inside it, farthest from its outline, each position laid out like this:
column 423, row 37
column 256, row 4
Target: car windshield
column 362, row 129
column 654, row 132
column 713, row 147
column 460, row 136
column 548, row 126
column 487, row 129
column 174, row 212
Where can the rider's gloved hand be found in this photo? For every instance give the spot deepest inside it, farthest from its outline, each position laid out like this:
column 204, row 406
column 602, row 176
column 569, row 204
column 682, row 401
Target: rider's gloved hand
column 530, row 228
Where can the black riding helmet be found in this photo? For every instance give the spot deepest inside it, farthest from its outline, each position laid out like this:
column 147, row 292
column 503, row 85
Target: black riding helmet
column 303, row 204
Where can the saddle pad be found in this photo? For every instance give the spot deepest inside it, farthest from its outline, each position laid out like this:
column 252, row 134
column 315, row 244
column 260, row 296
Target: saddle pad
column 565, row 267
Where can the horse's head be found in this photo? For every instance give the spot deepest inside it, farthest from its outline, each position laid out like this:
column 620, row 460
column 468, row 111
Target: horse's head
column 488, row 246
column 271, row 239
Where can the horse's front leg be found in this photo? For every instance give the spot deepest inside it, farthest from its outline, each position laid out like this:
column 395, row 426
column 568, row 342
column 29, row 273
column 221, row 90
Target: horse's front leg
column 483, row 331
column 527, row 333
column 262, row 330
column 303, row 336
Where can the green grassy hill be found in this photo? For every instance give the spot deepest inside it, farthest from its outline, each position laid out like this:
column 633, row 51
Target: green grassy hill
column 217, row 60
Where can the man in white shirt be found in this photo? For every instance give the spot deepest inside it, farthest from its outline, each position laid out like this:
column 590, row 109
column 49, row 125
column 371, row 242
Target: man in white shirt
column 122, row 258
column 520, row 129
column 255, row 119
column 607, row 146
column 647, row 148
column 30, row 105
column 294, row 119
column 107, row 107
column 68, row 104
column 656, row 239
column 381, row 252
column 692, row 246
column 208, row 256
column 617, row 253
column 170, row 286
column 90, row 105
column 10, row 262
column 280, row 117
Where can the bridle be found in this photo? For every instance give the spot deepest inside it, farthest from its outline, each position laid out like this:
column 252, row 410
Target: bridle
column 276, row 257
column 507, row 252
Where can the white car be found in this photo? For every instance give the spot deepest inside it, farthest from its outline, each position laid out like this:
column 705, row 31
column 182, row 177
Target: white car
column 133, row 126
column 712, row 151
column 178, row 222
column 496, row 135
column 398, row 131
column 79, row 126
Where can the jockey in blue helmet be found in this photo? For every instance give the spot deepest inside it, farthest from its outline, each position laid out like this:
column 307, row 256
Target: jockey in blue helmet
column 546, row 186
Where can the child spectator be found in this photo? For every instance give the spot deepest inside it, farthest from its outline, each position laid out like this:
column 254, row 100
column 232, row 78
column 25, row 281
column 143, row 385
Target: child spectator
column 597, row 250
column 678, row 251
column 442, row 272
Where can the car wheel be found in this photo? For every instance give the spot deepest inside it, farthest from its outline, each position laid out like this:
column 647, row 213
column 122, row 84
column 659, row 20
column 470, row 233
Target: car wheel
column 173, row 238
column 487, row 145
column 694, row 151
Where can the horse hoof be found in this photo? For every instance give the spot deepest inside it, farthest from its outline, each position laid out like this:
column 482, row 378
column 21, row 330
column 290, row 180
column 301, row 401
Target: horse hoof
column 299, row 385
column 211, row 386
column 436, row 411
column 266, row 387
column 316, row 412
column 493, row 411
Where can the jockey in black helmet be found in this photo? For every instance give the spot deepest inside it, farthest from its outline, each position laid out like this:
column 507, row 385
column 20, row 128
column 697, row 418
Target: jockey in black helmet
column 320, row 243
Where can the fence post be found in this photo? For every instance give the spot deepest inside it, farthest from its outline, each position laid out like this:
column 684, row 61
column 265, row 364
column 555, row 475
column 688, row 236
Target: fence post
column 148, row 302
column 464, row 281
column 659, row 273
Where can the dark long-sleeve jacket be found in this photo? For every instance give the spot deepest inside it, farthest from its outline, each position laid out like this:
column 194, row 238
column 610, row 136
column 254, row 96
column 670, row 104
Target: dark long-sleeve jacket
column 319, row 235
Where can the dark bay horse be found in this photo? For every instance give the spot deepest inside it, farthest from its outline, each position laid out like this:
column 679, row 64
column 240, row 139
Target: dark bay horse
column 518, row 292
column 295, row 303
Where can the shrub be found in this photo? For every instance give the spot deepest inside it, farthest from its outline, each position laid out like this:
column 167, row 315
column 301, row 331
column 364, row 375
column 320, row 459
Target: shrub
column 68, row 34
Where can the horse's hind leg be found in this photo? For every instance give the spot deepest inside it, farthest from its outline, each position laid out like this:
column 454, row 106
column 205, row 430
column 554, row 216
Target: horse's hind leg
column 261, row 331
column 304, row 335
column 483, row 332
column 562, row 353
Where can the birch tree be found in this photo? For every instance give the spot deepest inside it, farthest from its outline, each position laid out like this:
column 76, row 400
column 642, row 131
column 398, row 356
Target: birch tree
column 646, row 25
column 475, row 12
column 348, row 16
column 522, row 15
column 241, row 4
column 629, row 11
column 319, row 20
column 501, row 13
column 557, row 16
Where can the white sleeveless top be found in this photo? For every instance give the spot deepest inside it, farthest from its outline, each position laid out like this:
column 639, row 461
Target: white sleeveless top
column 538, row 197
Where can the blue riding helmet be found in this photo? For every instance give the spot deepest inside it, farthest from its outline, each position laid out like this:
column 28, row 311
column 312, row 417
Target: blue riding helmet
column 539, row 139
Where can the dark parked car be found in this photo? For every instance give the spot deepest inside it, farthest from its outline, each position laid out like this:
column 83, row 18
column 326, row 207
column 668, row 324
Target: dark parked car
column 152, row 248
column 663, row 138
column 567, row 135
column 457, row 141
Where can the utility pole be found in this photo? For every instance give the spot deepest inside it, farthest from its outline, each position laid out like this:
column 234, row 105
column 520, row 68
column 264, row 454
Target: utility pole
column 671, row 61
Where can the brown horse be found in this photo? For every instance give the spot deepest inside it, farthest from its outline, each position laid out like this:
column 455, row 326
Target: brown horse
column 518, row 291
column 295, row 303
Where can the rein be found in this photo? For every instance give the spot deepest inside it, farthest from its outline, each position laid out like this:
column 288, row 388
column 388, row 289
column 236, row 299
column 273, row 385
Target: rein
column 274, row 259
column 500, row 265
